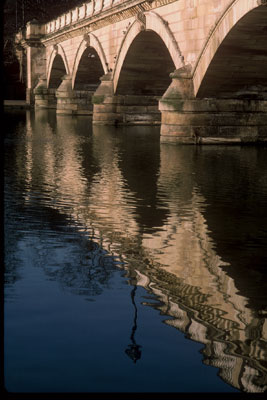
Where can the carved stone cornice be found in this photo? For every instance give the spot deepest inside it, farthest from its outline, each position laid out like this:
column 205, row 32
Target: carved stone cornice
column 106, row 17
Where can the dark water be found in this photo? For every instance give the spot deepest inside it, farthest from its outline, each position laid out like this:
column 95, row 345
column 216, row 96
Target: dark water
column 130, row 265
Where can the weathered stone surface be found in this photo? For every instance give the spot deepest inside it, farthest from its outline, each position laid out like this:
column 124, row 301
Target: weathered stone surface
column 213, row 105
column 106, row 118
column 104, row 108
column 140, row 100
column 214, row 118
column 177, row 139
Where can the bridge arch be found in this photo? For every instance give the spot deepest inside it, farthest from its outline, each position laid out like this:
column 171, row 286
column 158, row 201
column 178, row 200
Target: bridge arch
column 58, row 62
column 233, row 15
column 149, row 21
column 90, row 44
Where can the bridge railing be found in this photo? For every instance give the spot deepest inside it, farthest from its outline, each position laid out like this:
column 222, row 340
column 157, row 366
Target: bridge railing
column 87, row 10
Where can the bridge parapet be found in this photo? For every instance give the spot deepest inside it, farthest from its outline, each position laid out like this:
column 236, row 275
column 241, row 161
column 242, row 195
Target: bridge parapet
column 88, row 10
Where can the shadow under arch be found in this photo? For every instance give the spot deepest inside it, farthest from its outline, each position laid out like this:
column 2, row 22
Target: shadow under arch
column 57, row 71
column 90, row 62
column 146, row 67
column 89, row 71
column 149, row 22
column 237, row 23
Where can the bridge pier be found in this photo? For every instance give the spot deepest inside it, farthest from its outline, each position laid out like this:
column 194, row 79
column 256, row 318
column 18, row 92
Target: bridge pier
column 187, row 119
column 138, row 110
column 105, row 102
column 44, row 97
column 70, row 101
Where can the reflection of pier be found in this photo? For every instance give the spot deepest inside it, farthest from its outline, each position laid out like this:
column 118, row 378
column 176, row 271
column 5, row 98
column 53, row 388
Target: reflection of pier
column 177, row 262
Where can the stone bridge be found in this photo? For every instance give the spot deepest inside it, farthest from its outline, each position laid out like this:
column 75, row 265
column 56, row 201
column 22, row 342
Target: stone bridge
column 196, row 67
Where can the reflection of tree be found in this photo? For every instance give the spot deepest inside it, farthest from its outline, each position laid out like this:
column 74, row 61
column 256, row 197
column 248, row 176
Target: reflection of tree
column 16, row 14
column 88, row 272
column 78, row 263
column 13, row 201
column 133, row 349
column 11, row 259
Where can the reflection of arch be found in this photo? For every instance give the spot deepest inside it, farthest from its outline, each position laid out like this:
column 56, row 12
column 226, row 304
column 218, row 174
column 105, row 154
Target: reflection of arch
column 153, row 22
column 232, row 14
column 58, row 50
column 92, row 41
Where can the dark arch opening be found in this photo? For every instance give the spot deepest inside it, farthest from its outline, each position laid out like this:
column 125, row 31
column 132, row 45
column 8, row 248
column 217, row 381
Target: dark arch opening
column 239, row 67
column 146, row 67
column 89, row 71
column 57, row 72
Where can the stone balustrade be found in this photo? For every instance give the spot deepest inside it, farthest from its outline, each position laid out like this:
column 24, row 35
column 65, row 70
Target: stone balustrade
column 85, row 11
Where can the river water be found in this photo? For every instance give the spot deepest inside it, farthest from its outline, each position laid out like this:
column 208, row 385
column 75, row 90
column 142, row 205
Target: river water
column 130, row 265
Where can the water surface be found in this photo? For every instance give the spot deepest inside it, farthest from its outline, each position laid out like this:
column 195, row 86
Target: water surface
column 130, row 265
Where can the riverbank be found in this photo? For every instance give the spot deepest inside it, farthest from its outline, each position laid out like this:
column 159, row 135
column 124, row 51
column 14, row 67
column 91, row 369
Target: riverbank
column 17, row 104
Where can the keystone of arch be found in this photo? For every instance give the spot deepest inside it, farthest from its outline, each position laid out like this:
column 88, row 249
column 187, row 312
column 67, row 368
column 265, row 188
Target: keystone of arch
column 58, row 49
column 92, row 41
column 231, row 15
column 153, row 22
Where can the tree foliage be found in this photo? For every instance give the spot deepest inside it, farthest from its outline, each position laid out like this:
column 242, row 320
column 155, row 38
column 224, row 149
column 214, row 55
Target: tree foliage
column 18, row 12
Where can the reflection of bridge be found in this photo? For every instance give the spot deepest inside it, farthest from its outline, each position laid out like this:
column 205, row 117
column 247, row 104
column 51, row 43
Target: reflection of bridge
column 113, row 59
column 176, row 262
